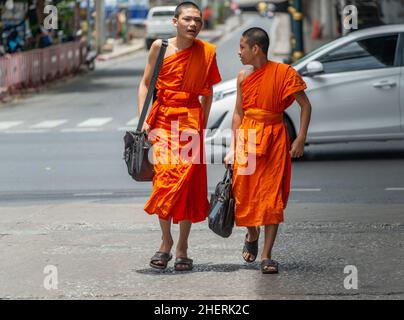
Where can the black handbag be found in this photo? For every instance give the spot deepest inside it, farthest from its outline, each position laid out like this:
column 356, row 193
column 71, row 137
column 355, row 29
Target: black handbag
column 137, row 146
column 221, row 210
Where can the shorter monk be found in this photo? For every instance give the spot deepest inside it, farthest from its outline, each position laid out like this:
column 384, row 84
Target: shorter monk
column 263, row 94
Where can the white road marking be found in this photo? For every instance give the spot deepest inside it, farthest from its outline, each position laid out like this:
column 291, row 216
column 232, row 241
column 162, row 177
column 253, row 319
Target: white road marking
column 126, row 129
column 93, row 194
column 4, row 125
column 305, row 190
column 94, row 122
column 79, row 130
column 395, row 189
column 26, row 131
column 49, row 124
column 133, row 122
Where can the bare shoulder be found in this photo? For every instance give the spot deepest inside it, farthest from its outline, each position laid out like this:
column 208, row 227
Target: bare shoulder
column 156, row 45
column 155, row 49
column 242, row 75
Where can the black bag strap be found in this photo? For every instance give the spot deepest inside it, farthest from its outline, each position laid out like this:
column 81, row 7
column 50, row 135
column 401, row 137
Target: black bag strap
column 228, row 175
column 152, row 85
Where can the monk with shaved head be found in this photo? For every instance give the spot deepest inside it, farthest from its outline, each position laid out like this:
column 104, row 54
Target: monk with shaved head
column 180, row 112
column 260, row 136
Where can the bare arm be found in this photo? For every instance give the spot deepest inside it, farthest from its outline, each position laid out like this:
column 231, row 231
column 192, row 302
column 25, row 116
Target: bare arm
column 148, row 74
column 297, row 149
column 206, row 102
column 237, row 118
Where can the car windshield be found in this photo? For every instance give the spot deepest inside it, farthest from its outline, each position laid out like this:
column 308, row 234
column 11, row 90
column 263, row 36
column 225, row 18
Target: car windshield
column 312, row 53
column 163, row 14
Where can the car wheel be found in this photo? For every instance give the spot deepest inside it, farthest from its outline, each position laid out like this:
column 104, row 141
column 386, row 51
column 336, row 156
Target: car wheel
column 149, row 43
column 290, row 128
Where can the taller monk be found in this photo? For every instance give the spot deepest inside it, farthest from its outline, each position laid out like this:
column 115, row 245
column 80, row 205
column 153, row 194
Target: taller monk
column 262, row 160
column 180, row 112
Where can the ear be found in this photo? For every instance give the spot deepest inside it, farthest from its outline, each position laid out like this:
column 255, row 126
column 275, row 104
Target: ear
column 175, row 21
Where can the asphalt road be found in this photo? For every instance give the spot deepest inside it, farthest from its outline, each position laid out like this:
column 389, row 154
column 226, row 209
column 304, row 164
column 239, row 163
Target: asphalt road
column 66, row 200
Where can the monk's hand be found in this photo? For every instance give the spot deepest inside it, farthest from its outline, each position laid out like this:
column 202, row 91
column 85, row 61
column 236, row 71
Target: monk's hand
column 229, row 158
column 297, row 149
column 146, row 128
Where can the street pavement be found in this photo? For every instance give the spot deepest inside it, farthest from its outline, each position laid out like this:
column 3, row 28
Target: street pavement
column 69, row 210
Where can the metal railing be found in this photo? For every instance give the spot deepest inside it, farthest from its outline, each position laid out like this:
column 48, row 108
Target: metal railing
column 33, row 68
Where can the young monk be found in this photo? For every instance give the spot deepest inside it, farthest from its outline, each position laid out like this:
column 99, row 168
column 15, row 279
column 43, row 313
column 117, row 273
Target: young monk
column 189, row 70
column 263, row 93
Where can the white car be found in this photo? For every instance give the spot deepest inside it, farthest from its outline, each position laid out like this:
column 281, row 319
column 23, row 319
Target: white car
column 159, row 24
column 355, row 85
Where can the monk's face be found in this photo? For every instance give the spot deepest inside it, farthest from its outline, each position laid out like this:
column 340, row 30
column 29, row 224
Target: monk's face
column 189, row 23
column 246, row 53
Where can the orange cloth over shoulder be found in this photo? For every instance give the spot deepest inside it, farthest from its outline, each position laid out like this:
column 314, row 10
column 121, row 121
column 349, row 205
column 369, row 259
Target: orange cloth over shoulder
column 176, row 120
column 262, row 168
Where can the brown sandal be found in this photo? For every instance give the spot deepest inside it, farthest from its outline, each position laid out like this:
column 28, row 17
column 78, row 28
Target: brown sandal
column 161, row 257
column 269, row 266
column 251, row 248
column 186, row 263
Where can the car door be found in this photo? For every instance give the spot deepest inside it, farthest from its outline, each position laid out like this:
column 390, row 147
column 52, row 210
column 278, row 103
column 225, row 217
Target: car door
column 357, row 96
column 401, row 49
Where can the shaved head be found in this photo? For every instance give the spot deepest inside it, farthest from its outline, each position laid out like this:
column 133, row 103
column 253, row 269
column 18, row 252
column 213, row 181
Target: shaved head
column 257, row 36
column 185, row 5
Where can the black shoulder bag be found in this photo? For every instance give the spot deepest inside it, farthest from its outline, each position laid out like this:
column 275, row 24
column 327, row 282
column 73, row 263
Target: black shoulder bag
column 137, row 145
column 221, row 211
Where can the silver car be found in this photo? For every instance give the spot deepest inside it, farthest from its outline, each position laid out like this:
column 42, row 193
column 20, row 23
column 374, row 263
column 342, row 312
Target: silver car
column 355, row 85
column 159, row 24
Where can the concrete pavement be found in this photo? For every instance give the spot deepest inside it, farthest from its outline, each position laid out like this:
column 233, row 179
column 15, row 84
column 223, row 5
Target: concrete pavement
column 100, row 249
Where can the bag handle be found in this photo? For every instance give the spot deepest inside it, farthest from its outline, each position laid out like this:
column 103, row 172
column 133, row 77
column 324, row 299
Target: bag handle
column 152, row 85
column 228, row 175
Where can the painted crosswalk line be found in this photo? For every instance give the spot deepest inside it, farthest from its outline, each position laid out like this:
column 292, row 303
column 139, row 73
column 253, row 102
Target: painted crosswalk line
column 94, row 122
column 5, row 125
column 49, row 124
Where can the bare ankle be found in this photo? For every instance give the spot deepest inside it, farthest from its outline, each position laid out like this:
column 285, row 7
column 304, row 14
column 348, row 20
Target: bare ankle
column 166, row 245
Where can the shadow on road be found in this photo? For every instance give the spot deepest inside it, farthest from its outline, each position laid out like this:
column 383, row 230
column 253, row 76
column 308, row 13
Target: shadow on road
column 202, row 268
column 359, row 153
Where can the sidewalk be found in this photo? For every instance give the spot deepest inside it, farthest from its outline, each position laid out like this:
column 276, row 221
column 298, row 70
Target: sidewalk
column 101, row 250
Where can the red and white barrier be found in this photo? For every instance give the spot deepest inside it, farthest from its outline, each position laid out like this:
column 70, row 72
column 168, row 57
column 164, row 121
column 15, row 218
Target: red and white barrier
column 32, row 68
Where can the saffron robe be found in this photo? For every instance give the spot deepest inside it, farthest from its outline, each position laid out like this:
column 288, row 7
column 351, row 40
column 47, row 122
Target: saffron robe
column 180, row 180
column 261, row 194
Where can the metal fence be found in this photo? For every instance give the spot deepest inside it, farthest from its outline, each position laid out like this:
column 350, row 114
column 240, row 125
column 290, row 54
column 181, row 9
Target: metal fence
column 33, row 68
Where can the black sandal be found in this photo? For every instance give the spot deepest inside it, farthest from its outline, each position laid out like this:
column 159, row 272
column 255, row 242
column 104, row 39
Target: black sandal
column 186, row 263
column 251, row 248
column 269, row 266
column 162, row 257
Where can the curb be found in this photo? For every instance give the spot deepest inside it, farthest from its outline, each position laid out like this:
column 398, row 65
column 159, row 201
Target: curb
column 110, row 56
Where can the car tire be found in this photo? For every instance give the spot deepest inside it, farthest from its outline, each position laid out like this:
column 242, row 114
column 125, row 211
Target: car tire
column 290, row 128
column 149, row 43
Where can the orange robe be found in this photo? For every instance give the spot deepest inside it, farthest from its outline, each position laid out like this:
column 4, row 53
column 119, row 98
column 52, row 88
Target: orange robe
column 180, row 181
column 262, row 195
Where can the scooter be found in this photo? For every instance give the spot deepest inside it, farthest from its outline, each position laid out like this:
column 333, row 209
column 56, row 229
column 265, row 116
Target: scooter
column 90, row 58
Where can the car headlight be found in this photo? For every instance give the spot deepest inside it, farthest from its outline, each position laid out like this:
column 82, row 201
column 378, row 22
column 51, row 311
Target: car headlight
column 219, row 95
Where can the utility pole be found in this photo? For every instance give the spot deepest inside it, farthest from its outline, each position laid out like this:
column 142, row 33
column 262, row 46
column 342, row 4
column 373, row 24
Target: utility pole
column 89, row 33
column 99, row 24
column 295, row 10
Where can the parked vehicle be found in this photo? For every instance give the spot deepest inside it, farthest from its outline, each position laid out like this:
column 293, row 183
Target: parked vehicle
column 159, row 24
column 90, row 58
column 12, row 38
column 355, row 85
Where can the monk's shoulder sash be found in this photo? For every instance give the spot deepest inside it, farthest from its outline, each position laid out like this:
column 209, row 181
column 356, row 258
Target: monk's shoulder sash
column 198, row 67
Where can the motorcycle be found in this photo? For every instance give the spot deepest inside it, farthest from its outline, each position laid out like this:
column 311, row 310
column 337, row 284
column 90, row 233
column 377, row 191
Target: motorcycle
column 90, row 58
